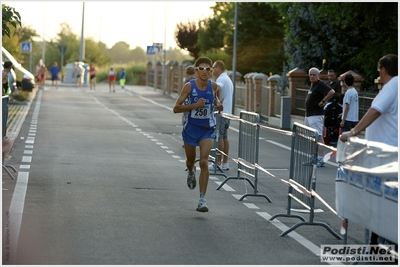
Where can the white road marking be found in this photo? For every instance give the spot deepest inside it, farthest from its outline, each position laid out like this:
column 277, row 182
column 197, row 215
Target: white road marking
column 300, row 239
column 226, row 187
column 14, row 216
column 251, row 206
column 26, row 159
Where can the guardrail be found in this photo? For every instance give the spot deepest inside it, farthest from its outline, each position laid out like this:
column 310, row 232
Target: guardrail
column 303, row 165
column 302, row 181
column 248, row 151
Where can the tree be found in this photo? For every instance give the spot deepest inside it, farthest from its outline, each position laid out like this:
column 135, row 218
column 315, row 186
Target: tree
column 348, row 35
column 211, row 35
column 186, row 38
column 260, row 34
column 9, row 17
column 119, row 53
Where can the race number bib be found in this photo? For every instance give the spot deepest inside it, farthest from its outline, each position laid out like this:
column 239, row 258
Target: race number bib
column 201, row 113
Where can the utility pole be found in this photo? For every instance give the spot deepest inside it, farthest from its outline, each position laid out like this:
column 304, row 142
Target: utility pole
column 44, row 26
column 165, row 49
column 82, row 47
column 234, row 59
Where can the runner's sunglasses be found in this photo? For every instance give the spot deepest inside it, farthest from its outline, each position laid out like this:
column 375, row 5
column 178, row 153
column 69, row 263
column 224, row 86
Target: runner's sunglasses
column 203, row 68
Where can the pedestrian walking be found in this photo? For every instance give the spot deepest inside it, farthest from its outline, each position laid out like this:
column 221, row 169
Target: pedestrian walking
column 122, row 78
column 55, row 72
column 317, row 97
column 39, row 75
column 226, row 96
column 112, row 76
column 199, row 125
column 92, row 76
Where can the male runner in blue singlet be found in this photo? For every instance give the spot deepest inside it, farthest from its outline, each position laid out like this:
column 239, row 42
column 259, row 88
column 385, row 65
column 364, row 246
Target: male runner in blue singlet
column 201, row 96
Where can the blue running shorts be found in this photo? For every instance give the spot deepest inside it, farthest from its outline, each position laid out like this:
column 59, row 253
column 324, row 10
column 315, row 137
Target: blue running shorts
column 193, row 134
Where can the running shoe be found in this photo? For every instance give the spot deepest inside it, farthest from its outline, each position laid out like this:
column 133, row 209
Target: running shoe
column 202, row 207
column 224, row 166
column 191, row 179
column 211, row 167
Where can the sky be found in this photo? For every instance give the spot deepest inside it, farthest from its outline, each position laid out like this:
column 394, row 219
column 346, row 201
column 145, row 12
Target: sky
column 138, row 23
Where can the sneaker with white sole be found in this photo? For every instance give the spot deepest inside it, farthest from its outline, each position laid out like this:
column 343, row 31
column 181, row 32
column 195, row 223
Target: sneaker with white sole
column 191, row 179
column 224, row 166
column 202, row 207
column 211, row 166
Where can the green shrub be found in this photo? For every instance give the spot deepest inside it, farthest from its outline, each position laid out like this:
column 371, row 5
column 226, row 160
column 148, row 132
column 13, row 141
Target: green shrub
column 20, row 96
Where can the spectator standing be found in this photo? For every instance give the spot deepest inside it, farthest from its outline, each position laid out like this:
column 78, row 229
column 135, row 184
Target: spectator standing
column 40, row 74
column 55, row 72
column 122, row 78
column 43, row 74
column 381, row 120
column 78, row 74
column 12, row 80
column 201, row 95
column 350, row 105
column 112, row 75
column 92, row 76
column 190, row 74
column 4, row 77
column 226, row 96
column 334, row 83
column 37, row 71
column 317, row 97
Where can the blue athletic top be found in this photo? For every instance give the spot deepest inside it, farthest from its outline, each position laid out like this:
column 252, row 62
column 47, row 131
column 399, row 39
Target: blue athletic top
column 122, row 74
column 201, row 116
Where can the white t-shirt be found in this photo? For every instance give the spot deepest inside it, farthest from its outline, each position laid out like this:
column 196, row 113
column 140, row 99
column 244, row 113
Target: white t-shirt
column 351, row 97
column 226, row 93
column 385, row 128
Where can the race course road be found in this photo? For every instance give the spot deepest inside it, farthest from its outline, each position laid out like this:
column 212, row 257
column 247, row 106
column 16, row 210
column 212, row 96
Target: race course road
column 102, row 180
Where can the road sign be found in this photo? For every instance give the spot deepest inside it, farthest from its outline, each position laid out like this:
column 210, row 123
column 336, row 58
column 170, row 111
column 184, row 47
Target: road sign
column 150, row 50
column 26, row 47
column 158, row 47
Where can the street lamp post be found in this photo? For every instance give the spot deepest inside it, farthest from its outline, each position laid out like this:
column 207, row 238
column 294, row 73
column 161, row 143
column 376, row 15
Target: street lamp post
column 82, row 47
column 234, row 59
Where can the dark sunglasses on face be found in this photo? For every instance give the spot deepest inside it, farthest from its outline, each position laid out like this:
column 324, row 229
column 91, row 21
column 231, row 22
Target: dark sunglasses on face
column 203, row 68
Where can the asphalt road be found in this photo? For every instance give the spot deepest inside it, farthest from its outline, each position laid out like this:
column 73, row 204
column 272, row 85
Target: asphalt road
column 101, row 180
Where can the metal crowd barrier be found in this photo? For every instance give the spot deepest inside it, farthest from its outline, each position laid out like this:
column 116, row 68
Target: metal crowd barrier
column 248, row 152
column 303, row 165
column 5, row 100
column 213, row 157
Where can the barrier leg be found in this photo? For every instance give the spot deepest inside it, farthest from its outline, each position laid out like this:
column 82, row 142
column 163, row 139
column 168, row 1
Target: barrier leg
column 255, row 195
column 5, row 167
column 236, row 178
column 287, row 216
column 312, row 223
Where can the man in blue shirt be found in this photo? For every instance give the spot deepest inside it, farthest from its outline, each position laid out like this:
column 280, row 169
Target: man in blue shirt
column 122, row 78
column 54, row 71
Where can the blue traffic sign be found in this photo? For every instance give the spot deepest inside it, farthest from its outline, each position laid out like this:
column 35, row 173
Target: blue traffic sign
column 150, row 50
column 26, row 47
